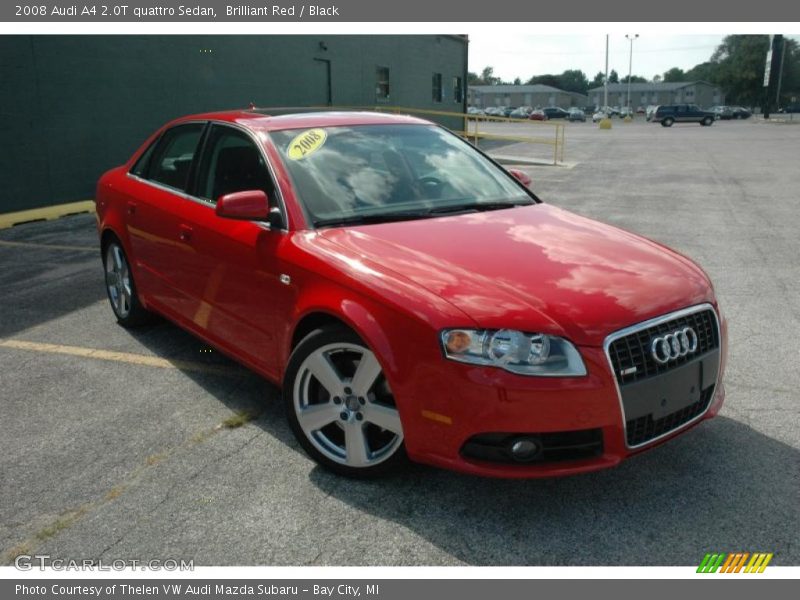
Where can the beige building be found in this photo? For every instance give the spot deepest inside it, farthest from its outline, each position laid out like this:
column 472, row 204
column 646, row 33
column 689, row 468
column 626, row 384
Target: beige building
column 702, row 93
column 537, row 96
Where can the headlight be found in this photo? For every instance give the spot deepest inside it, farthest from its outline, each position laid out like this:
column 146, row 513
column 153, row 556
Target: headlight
column 514, row 351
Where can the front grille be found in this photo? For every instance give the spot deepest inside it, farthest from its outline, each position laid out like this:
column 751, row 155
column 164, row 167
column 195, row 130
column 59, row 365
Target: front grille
column 633, row 350
column 646, row 428
column 554, row 446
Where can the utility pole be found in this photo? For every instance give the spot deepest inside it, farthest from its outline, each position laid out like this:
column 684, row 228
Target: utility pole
column 605, row 80
column 780, row 76
column 630, row 68
column 773, row 59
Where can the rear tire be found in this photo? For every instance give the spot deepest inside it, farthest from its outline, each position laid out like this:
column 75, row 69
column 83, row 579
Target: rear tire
column 121, row 288
column 667, row 122
column 707, row 122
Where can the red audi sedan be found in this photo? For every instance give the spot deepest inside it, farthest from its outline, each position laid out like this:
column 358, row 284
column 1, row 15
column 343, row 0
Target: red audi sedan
column 412, row 298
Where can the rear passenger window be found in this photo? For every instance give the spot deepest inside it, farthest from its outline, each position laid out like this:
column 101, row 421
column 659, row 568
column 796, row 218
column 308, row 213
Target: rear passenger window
column 173, row 155
column 140, row 168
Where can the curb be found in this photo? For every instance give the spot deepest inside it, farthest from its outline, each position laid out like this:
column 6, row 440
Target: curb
column 46, row 213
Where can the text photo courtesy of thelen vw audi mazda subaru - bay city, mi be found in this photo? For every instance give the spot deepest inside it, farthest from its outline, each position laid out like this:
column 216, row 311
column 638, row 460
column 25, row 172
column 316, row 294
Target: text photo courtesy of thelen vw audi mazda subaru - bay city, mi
column 420, row 300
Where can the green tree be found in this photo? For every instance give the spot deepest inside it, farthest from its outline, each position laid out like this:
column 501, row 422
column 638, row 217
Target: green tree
column 598, row 80
column 790, row 80
column 739, row 62
column 706, row 71
column 485, row 78
column 613, row 77
column 487, row 75
column 517, row 81
column 551, row 80
column 574, row 80
column 674, row 74
column 634, row 79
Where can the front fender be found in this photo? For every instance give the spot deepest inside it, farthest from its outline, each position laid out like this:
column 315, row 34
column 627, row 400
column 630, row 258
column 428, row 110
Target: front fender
column 372, row 322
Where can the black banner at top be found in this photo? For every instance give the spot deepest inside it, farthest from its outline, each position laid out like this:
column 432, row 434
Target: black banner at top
column 407, row 11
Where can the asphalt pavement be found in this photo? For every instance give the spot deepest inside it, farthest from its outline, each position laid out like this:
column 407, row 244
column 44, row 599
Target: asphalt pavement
column 148, row 445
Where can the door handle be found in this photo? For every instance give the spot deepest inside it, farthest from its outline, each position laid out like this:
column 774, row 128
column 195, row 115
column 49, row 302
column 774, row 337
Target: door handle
column 185, row 233
column 131, row 208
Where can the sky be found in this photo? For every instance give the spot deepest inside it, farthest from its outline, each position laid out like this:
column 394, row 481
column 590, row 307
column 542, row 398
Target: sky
column 523, row 56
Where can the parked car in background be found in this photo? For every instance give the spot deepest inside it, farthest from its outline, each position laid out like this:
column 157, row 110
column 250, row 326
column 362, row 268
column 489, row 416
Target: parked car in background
column 538, row 115
column 640, row 110
column 472, row 110
column 318, row 250
column 625, row 111
column 790, row 109
column 740, row 112
column 554, row 112
column 669, row 114
column 576, row 114
column 722, row 112
column 494, row 111
column 508, row 110
column 523, row 112
column 599, row 116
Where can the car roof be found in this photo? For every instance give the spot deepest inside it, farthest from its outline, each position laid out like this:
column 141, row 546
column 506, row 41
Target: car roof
column 262, row 121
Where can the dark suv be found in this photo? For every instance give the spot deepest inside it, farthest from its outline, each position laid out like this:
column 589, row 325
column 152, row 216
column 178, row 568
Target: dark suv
column 682, row 113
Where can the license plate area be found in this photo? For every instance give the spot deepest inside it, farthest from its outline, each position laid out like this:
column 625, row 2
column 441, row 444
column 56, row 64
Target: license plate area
column 670, row 392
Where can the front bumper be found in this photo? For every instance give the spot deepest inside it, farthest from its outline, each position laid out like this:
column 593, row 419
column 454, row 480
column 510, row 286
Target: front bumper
column 449, row 404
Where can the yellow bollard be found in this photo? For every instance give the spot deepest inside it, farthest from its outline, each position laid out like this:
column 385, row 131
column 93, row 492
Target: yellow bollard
column 628, row 119
column 605, row 123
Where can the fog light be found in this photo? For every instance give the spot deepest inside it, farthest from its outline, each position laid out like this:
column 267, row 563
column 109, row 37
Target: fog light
column 524, row 449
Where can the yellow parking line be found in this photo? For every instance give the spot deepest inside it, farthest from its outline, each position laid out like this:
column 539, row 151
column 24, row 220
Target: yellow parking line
column 49, row 246
column 45, row 213
column 123, row 357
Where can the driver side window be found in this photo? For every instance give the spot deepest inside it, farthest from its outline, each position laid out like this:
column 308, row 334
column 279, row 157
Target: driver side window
column 232, row 163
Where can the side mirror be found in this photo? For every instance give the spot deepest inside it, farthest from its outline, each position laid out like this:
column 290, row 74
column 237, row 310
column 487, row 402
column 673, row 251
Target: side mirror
column 250, row 205
column 521, row 177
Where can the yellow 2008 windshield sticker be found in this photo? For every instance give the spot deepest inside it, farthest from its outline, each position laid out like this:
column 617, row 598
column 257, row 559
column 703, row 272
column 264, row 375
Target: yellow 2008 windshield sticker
column 306, row 143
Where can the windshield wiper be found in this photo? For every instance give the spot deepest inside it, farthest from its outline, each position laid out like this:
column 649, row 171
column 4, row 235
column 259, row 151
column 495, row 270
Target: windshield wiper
column 419, row 214
column 480, row 206
column 370, row 219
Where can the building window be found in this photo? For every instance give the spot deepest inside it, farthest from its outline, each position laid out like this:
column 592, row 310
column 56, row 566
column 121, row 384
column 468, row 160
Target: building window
column 437, row 87
column 458, row 90
column 382, row 84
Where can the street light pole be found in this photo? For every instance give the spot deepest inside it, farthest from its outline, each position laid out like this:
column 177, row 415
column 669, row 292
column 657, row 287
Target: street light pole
column 605, row 81
column 630, row 69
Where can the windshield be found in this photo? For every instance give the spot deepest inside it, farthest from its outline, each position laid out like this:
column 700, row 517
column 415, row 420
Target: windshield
column 369, row 173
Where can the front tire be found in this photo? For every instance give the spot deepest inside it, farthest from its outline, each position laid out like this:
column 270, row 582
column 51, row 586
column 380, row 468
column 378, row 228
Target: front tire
column 121, row 288
column 667, row 122
column 340, row 407
column 707, row 122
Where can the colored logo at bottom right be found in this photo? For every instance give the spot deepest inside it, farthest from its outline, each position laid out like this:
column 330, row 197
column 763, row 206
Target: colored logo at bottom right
column 735, row 562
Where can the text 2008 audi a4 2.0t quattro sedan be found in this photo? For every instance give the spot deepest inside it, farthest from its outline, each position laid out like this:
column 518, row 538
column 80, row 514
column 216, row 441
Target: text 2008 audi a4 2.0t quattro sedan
column 411, row 297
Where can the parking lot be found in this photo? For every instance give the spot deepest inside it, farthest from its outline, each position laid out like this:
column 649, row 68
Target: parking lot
column 148, row 445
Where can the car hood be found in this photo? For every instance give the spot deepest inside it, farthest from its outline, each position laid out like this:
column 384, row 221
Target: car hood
column 534, row 268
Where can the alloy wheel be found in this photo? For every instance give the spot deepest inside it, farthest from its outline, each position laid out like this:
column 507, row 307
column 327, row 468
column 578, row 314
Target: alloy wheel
column 345, row 407
column 118, row 280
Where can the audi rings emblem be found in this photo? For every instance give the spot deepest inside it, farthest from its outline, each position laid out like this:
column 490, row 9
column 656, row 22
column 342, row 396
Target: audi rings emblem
column 673, row 345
